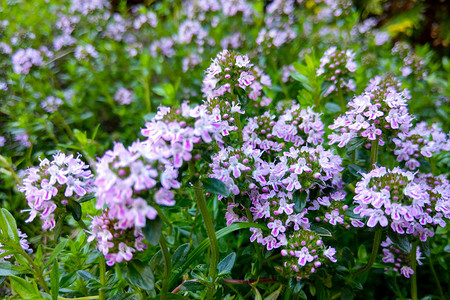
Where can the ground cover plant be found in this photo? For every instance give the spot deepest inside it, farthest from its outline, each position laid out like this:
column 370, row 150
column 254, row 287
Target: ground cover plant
column 222, row 149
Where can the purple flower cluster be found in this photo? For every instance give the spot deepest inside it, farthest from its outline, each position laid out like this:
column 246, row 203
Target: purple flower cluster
column 305, row 253
column 51, row 104
column 381, row 110
column 24, row 59
column 116, row 244
column 146, row 170
column 336, row 66
column 420, row 141
column 123, row 96
column 230, row 70
column 85, row 52
column 50, row 185
column 408, row 204
column 398, row 259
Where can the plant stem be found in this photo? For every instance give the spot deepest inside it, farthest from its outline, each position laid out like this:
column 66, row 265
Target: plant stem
column 373, row 255
column 201, row 203
column 237, row 119
column 102, row 267
column 436, row 279
column 37, row 270
column 167, row 266
column 374, row 154
column 414, row 275
column 148, row 102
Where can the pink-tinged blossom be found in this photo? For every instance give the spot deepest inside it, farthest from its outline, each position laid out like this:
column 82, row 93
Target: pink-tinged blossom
column 381, row 110
column 48, row 186
column 409, row 204
column 123, row 96
column 24, row 59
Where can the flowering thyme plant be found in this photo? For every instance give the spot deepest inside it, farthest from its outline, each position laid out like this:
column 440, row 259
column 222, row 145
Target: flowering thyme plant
column 220, row 150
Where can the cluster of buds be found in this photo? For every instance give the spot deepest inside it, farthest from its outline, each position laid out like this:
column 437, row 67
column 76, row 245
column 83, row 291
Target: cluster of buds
column 399, row 259
column 337, row 65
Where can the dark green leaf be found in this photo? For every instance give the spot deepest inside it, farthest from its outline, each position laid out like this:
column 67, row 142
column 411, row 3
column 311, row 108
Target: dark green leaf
column 347, row 294
column 216, row 186
column 140, row 275
column 75, row 209
column 58, row 227
column 157, row 263
column 299, row 201
column 356, row 170
column 425, row 249
column 320, row 230
column 179, row 256
column 347, row 257
column 354, row 144
column 225, row 266
column 332, row 107
column 54, row 280
column 152, row 230
column 400, row 241
column 85, row 275
column 192, row 286
column 86, row 198
column 295, row 285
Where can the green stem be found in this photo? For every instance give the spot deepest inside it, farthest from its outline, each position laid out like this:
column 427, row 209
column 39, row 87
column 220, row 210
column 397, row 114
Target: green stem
column 201, row 203
column 65, row 125
column 237, row 119
column 148, row 102
column 341, row 100
column 80, row 298
column 436, row 279
column 414, row 275
column 102, row 267
column 374, row 154
column 37, row 270
column 373, row 255
column 167, row 266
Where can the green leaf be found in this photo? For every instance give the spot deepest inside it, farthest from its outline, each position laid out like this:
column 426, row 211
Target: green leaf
column 25, row 289
column 274, row 295
column 201, row 248
column 362, row 253
column 354, row 144
column 332, row 107
column 356, row 170
column 85, row 275
column 140, row 275
column 75, row 209
column 39, row 256
column 299, row 201
column 157, row 263
column 179, row 256
column 295, row 285
column 7, row 269
column 400, row 240
column 225, row 266
column 56, row 251
column 9, row 224
column 216, row 186
column 320, row 230
column 54, row 280
column 85, row 198
column 192, row 286
column 152, row 230
column 81, row 136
